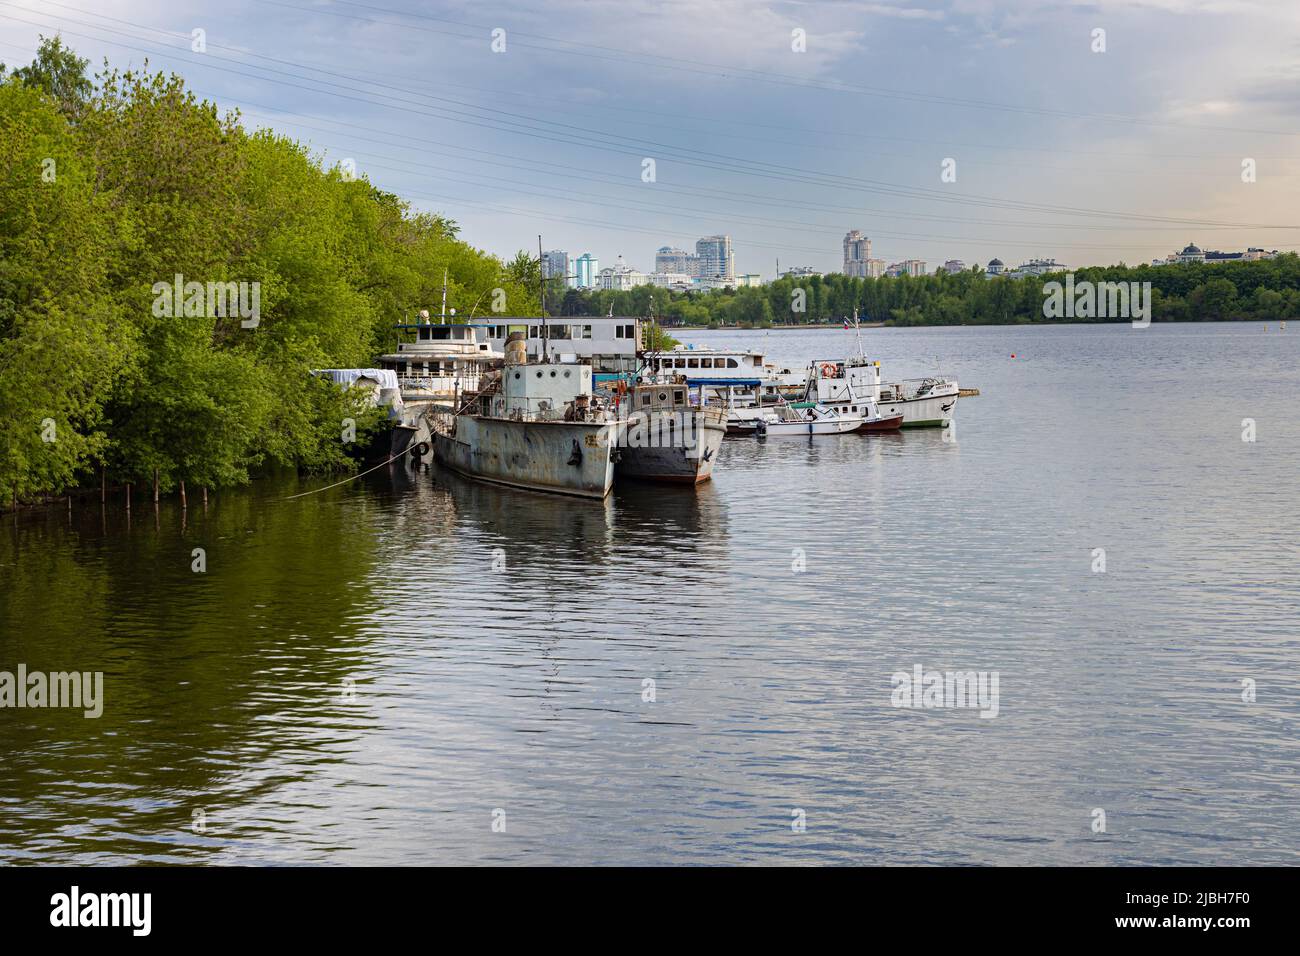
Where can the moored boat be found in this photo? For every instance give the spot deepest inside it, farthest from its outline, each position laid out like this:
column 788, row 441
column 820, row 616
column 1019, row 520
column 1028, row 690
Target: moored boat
column 808, row 418
column 536, row 426
column 667, row 438
column 855, row 384
column 444, row 359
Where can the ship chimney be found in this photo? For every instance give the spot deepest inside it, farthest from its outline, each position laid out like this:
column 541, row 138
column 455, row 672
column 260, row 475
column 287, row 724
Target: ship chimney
column 517, row 349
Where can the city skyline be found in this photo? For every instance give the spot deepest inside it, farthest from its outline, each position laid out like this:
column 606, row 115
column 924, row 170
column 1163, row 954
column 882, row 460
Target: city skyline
column 912, row 123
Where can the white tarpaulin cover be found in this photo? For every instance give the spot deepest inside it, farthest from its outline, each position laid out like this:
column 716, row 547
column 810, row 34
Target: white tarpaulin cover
column 386, row 377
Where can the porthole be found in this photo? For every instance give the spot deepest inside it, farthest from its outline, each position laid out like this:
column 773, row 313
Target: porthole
column 663, row 396
column 567, row 373
column 539, row 374
column 552, row 373
column 516, row 374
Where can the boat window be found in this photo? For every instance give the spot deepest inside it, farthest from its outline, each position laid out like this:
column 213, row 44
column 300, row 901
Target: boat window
column 618, row 332
column 586, row 331
column 629, row 331
column 532, row 331
column 706, row 363
column 693, row 363
column 732, row 363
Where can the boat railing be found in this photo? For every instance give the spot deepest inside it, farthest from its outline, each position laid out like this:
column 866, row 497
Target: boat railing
column 910, row 388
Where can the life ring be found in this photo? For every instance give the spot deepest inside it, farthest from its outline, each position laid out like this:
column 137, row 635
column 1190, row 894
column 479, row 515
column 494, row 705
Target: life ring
column 828, row 370
column 422, row 449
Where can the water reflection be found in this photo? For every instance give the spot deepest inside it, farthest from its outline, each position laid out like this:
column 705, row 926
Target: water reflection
column 363, row 675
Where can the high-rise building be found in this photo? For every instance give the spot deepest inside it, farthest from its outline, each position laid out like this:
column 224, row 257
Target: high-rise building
column 555, row 264
column 875, row 268
column 586, row 268
column 857, row 253
column 952, row 266
column 670, row 259
column 716, row 258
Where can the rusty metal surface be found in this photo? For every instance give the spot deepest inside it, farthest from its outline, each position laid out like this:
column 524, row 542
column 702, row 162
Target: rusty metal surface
column 533, row 455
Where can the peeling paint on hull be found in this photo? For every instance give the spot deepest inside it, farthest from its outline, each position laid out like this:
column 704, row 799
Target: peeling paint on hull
column 674, row 463
column 532, row 455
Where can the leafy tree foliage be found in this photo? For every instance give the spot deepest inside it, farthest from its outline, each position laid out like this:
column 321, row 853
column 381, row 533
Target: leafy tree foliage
column 1263, row 289
column 111, row 189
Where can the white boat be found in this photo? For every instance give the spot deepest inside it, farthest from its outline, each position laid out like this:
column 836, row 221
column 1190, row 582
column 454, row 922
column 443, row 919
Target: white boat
column 808, row 418
column 743, row 373
column 444, row 359
column 923, row 402
column 855, row 382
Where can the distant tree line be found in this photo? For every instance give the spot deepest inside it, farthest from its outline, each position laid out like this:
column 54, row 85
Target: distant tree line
column 1190, row 292
column 113, row 185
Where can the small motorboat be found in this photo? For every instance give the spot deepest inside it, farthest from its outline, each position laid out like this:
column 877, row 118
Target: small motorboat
column 807, row 418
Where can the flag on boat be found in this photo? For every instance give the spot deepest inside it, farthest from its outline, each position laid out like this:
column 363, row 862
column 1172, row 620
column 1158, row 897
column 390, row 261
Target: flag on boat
column 846, row 323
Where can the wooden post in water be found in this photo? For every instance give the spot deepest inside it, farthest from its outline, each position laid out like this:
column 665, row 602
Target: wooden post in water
column 103, row 487
column 184, row 503
column 128, row 496
column 155, row 484
column 205, row 497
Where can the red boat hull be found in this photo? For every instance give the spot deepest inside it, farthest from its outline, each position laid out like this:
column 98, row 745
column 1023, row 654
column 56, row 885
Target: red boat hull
column 884, row 425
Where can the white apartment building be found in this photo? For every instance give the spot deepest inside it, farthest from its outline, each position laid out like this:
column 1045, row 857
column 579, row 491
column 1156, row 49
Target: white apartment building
column 621, row 277
column 717, row 261
column 857, row 253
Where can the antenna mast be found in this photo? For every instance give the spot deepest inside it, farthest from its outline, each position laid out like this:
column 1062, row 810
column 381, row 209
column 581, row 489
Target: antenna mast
column 541, row 272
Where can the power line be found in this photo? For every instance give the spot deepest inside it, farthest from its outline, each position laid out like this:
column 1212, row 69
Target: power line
column 733, row 165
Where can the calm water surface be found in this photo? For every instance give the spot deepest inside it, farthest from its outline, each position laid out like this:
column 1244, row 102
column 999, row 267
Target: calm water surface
column 352, row 680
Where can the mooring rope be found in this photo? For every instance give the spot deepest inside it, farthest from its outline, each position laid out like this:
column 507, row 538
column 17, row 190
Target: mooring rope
column 360, row 474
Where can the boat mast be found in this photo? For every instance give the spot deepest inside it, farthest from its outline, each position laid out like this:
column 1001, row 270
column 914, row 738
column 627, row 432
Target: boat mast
column 857, row 328
column 541, row 272
column 442, row 319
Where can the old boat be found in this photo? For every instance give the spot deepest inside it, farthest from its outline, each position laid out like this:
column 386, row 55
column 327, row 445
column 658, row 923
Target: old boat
column 669, row 438
column 533, row 425
column 855, row 384
column 444, row 359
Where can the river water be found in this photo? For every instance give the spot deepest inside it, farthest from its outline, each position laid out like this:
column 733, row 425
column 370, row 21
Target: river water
column 414, row 668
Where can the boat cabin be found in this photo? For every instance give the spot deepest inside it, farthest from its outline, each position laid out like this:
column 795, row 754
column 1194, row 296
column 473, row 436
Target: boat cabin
column 545, row 391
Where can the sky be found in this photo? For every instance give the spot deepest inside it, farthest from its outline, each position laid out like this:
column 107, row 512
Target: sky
column 618, row 126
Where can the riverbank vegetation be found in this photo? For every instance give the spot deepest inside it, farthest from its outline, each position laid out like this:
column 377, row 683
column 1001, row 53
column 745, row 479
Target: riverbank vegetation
column 1267, row 289
column 111, row 185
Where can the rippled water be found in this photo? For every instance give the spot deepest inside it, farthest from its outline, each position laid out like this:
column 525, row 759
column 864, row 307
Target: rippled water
column 353, row 680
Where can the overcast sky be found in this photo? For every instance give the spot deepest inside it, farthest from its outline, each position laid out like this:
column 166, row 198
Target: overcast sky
column 1060, row 151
